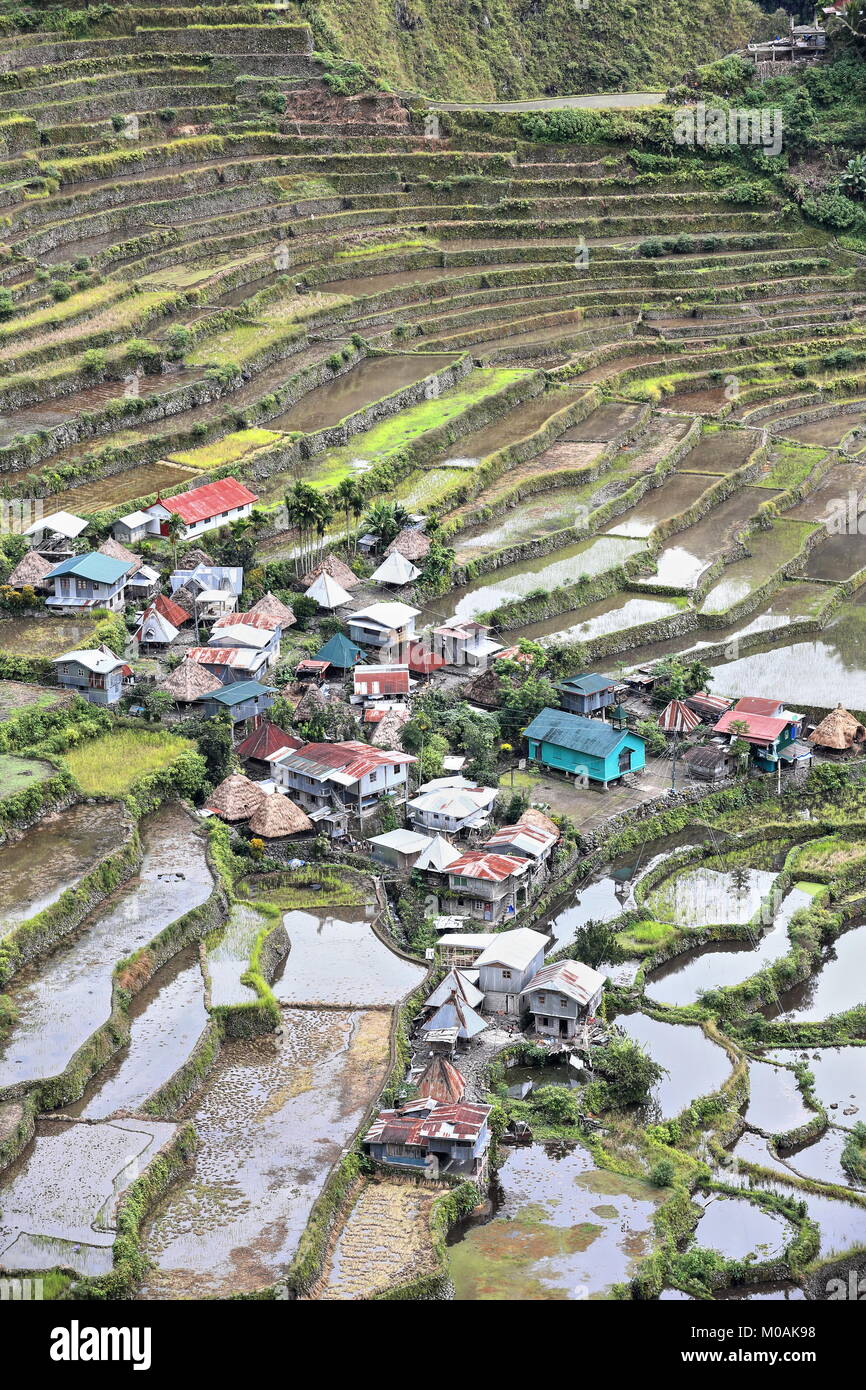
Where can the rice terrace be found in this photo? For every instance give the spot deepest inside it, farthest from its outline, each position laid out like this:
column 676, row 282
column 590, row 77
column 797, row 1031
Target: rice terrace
column 433, row 656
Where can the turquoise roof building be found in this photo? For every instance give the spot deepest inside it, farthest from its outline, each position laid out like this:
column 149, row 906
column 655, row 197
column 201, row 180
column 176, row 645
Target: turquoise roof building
column 340, row 652
column 584, row 747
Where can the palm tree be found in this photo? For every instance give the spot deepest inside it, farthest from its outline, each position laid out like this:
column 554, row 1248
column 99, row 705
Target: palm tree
column 386, row 520
column 347, row 495
column 174, row 527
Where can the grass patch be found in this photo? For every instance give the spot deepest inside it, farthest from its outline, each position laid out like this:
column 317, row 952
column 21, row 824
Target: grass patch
column 226, row 450
column 16, row 774
column 324, row 888
column 108, row 766
column 645, row 937
column 791, row 468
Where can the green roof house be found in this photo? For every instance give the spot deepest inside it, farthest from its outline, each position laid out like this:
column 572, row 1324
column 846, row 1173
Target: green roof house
column 340, row 652
column 88, row 581
column 584, row 747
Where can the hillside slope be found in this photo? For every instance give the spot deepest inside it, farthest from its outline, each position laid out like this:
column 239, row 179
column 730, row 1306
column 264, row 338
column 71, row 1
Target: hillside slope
column 479, row 49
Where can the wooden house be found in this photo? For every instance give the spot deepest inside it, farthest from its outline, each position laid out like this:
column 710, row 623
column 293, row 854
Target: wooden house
column 507, row 966
column 95, row 673
column 244, row 701
column 587, row 694
column 562, row 996
column 583, row 747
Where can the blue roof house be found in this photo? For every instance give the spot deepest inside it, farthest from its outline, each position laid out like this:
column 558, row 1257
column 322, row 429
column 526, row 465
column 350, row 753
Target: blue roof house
column 586, row 694
column 583, row 747
column 246, row 702
column 88, row 581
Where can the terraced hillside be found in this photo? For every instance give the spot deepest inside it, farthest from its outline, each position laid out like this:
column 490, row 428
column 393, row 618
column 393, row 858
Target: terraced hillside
column 629, row 385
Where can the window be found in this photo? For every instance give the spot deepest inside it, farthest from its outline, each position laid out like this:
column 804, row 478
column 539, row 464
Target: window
column 563, row 1003
column 506, row 974
column 541, row 998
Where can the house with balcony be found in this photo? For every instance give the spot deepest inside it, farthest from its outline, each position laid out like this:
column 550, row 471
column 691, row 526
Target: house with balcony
column 247, row 638
column 354, row 775
column 451, row 806
column 245, row 702
column 87, row 581
column 388, row 627
column 230, row 664
column 766, row 726
column 561, row 997
column 96, row 674
column 465, row 643
column 487, row 886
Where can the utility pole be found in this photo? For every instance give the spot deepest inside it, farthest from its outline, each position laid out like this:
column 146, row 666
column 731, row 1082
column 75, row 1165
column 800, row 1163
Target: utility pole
column 674, row 762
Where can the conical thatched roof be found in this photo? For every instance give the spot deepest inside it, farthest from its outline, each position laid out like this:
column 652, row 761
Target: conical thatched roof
column 337, row 569
column 273, row 607
column 116, row 551
column 389, row 728
column 327, row 592
column 185, row 596
column 30, row 570
column 839, row 730
column 414, row 545
column 189, row 681
column 279, row 816
column 236, row 798
column 538, row 819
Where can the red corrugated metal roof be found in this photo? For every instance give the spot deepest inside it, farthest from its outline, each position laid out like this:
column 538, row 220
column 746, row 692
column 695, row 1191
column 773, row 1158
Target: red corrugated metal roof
column 493, row 868
column 264, row 621
column 463, row 1122
column 223, row 656
column 676, row 717
column 353, row 760
column 761, row 729
column 374, row 680
column 754, row 704
column 210, row 500
column 171, row 610
column 424, row 662
column 266, row 740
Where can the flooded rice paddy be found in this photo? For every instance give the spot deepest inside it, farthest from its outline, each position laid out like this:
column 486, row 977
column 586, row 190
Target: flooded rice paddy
column 336, row 957
column 684, row 558
column 273, row 1117
column 36, row 869
column 695, row 1065
column 610, row 615
column 228, row 955
column 767, row 552
column 838, row 984
column 370, row 380
column 698, row 896
column 63, row 998
column 567, row 566
column 840, row 1079
column 740, row 1230
column 669, row 500
column 561, row 1229
column 51, row 414
column 775, row 1104
column 721, row 964
column 166, row 1020
column 58, row 1200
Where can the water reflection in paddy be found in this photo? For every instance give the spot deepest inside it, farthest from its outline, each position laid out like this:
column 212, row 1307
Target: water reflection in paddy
column 838, row 984
column 724, row 963
column 695, row 897
column 36, row 869
column 695, row 1065
column 740, row 1230
column 775, row 1103
column 615, row 614
column 337, row 960
column 562, row 1229
column 842, row 1224
column 674, row 496
column 370, row 380
column 840, row 1079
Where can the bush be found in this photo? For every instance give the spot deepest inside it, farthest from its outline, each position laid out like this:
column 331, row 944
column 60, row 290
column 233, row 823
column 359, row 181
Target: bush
column 662, row 1174
column 557, row 1104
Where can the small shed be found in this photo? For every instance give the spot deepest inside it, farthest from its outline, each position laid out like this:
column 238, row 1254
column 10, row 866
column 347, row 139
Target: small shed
column 709, row 762
column 265, row 742
column 587, row 694
column 274, row 607
column 441, row 1081
column 412, row 543
column 337, row 569
column 395, row 571
column 30, row 573
column 677, row 718
column 399, row 848
column 189, row 682
column 340, row 653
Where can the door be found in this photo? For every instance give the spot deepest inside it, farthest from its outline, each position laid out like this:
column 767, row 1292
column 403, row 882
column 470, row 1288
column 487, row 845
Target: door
column 625, row 760
column 563, row 1027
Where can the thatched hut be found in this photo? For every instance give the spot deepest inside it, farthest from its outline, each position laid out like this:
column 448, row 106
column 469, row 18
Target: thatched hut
column 30, row 572
column 236, row 798
column 115, row 551
column 337, row 569
column 838, row 732
column 411, row 544
column 278, row 817
column 191, row 559
column 188, row 682
column 272, row 607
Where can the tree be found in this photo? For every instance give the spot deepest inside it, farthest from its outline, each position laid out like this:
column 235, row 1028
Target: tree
column 557, row 1104
column 523, row 688
column 739, row 745
column 174, row 527
column 216, row 747
column 348, row 496
column 852, row 180
column 386, row 520
column 629, row 1072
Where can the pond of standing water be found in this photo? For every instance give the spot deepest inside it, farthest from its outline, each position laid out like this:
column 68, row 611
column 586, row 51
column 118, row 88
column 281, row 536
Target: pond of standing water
column 684, row 558
column 166, row 1020
column 58, row 1199
column 840, row 1079
column 37, row 869
column 275, row 1114
column 838, row 984
column 699, row 897
column 740, row 1230
column 674, row 496
column 64, row 998
column 842, row 1223
column 561, row 1229
column 616, row 614
column 337, row 958
column 695, row 1065
column 724, row 963
column 228, row 955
